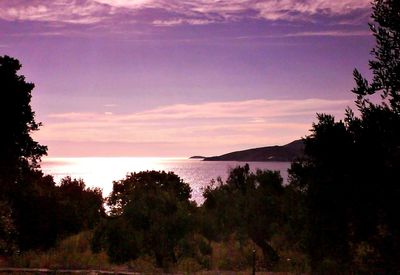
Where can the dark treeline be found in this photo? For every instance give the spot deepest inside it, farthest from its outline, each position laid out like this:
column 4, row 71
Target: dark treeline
column 350, row 177
column 338, row 214
column 35, row 212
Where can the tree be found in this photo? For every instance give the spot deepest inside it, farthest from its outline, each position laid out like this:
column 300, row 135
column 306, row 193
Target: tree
column 39, row 211
column 35, row 210
column 17, row 148
column 376, row 138
column 19, row 153
column 350, row 174
column 80, row 208
column 44, row 213
column 324, row 175
column 385, row 65
column 150, row 214
column 249, row 205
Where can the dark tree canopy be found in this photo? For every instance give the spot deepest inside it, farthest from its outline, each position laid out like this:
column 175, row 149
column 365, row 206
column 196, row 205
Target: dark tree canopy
column 249, row 205
column 35, row 212
column 19, row 153
column 8, row 231
column 17, row 148
column 151, row 214
column 385, row 64
column 350, row 174
column 81, row 207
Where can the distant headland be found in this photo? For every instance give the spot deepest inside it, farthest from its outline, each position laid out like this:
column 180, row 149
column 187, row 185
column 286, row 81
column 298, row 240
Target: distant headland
column 286, row 152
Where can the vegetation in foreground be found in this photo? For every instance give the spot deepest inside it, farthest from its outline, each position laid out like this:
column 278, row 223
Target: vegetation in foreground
column 338, row 214
column 75, row 253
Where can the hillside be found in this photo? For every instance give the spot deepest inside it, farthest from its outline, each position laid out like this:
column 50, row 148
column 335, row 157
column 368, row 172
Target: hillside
column 270, row 153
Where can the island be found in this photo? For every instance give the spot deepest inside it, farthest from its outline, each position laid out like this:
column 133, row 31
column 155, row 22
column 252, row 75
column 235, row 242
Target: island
column 286, row 152
column 197, row 157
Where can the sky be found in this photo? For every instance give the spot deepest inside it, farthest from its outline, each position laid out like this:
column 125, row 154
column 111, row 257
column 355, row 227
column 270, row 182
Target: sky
column 181, row 78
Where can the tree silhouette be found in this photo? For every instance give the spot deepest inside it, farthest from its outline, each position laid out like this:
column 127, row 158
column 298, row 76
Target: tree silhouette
column 385, row 65
column 80, row 208
column 350, row 175
column 19, row 153
column 151, row 214
column 376, row 138
column 17, row 148
column 249, row 205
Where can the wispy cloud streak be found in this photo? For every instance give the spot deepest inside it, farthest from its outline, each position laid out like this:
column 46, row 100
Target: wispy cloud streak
column 64, row 11
column 211, row 125
column 176, row 12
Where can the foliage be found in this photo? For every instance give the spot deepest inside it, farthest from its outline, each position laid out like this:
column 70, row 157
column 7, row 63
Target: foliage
column 35, row 212
column 19, row 153
column 151, row 214
column 349, row 177
column 81, row 207
column 385, row 65
column 249, row 205
column 7, row 230
column 35, row 208
column 71, row 253
column 17, row 148
column 324, row 176
column 45, row 212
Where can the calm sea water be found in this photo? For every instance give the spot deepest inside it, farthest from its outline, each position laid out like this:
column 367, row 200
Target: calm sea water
column 101, row 172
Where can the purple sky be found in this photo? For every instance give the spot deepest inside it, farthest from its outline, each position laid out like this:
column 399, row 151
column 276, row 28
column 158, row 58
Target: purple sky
column 180, row 78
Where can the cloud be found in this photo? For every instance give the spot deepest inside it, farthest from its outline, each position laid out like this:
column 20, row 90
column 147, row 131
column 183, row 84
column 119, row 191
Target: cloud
column 330, row 33
column 134, row 4
column 301, row 10
column 180, row 21
column 249, row 109
column 175, row 12
column 209, row 125
column 65, row 11
column 225, row 10
column 110, row 105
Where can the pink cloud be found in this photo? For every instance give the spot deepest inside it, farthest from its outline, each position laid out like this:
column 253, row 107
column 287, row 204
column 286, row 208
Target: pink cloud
column 66, row 11
column 175, row 11
column 208, row 126
column 300, row 10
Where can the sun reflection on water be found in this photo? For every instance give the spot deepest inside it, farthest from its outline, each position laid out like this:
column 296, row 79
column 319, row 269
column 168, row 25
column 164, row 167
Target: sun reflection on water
column 102, row 171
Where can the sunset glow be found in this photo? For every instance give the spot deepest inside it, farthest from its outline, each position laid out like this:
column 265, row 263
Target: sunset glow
column 181, row 78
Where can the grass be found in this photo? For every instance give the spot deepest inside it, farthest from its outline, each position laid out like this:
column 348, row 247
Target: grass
column 71, row 253
column 213, row 258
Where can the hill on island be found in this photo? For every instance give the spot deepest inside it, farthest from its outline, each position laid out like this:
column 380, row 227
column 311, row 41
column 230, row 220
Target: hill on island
column 286, row 152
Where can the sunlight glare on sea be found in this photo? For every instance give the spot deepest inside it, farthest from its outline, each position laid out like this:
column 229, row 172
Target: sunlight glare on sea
column 102, row 171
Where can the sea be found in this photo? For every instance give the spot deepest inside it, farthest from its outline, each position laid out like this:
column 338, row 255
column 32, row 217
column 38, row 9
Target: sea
column 102, row 171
